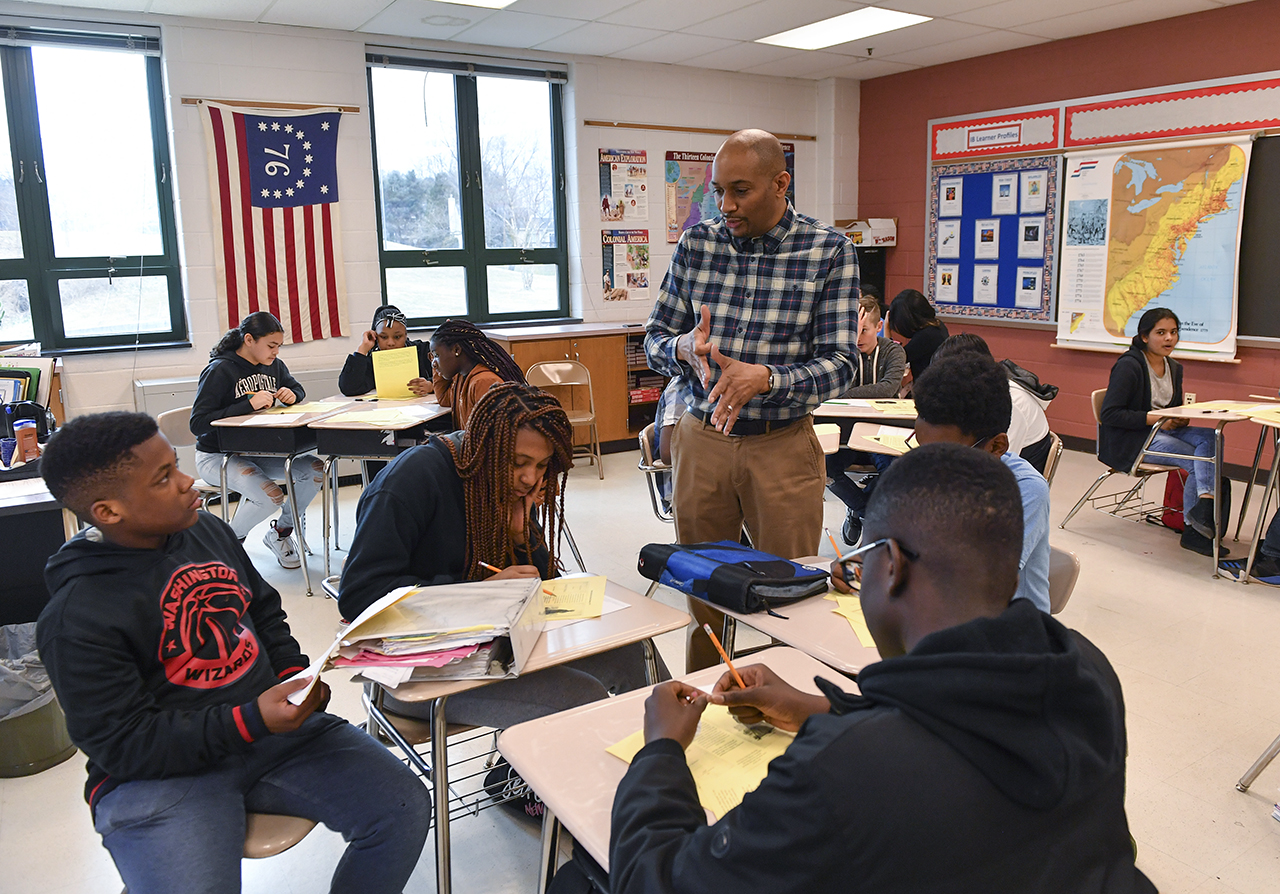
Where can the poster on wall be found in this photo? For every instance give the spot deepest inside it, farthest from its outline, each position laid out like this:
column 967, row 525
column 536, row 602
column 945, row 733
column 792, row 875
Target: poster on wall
column 950, row 197
column 1031, row 237
column 986, row 239
column 1028, row 293
column 689, row 197
column 986, row 280
column 948, row 282
column 624, row 185
column 1034, row 188
column 625, row 262
column 1153, row 226
column 948, row 238
column 1004, row 194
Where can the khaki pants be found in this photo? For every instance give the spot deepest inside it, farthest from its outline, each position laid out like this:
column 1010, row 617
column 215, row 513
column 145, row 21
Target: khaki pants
column 773, row 482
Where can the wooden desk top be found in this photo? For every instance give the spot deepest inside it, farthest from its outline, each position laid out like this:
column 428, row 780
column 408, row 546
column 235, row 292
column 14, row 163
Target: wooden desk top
column 644, row 618
column 563, row 756
column 266, row 419
column 566, row 330
column 859, row 408
column 860, row 438
column 420, row 409
column 1206, row 411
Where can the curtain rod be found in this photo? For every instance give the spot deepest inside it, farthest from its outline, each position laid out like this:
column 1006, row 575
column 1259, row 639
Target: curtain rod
column 711, row 130
column 301, row 106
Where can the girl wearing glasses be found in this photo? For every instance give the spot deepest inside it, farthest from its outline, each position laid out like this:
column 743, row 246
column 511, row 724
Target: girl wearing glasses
column 387, row 332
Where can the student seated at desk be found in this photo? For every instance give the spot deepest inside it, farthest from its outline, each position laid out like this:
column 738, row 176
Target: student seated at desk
column 244, row 376
column 465, row 363
column 914, row 324
column 166, row 649
column 877, row 374
column 493, row 494
column 985, row 753
column 387, row 332
column 964, row 399
column 1146, row 378
column 1029, row 435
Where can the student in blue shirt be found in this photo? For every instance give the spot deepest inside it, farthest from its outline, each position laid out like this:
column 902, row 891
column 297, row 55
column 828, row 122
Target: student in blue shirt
column 964, row 399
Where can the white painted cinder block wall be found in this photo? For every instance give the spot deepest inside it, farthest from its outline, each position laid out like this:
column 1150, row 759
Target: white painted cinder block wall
column 229, row 60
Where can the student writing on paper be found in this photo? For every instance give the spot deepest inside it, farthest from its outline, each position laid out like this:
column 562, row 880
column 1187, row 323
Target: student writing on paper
column 964, row 399
column 465, row 364
column 877, row 374
column 166, row 649
column 985, row 753
column 244, row 375
column 387, row 333
column 914, row 324
column 492, row 494
column 1029, row 435
column 1147, row 378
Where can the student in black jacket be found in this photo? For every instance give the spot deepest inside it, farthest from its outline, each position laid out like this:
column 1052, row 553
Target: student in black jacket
column 386, row 333
column 492, row 495
column 245, row 375
column 1143, row 379
column 914, row 324
column 167, row 650
column 985, row 753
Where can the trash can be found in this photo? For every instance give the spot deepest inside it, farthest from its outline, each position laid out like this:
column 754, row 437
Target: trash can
column 33, row 730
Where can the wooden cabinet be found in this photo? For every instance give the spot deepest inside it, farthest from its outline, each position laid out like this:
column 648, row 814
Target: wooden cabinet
column 600, row 348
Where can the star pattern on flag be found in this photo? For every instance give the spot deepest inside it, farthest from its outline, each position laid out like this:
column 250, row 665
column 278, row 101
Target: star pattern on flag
column 307, row 159
column 298, row 134
column 289, row 192
column 324, row 189
column 262, row 125
column 275, row 125
column 288, row 128
column 276, row 194
column 306, row 172
column 299, row 184
column 266, row 193
column 324, row 125
column 306, row 145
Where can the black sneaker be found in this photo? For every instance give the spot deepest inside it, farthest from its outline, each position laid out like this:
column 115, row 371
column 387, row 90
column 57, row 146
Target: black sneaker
column 1201, row 517
column 851, row 531
column 504, row 785
column 1266, row 570
column 1198, row 543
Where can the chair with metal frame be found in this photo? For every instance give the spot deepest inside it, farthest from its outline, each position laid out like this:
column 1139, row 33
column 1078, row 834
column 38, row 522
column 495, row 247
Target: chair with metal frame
column 653, row 466
column 1129, row 504
column 1055, row 454
column 1064, row 571
column 568, row 374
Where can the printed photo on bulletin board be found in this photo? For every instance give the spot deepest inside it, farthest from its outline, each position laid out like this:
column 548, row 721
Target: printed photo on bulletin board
column 993, row 228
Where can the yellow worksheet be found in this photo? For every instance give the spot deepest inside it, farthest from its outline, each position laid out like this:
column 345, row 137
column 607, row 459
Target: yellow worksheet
column 905, row 406
column 571, row 598
column 850, row 608
column 895, row 442
column 392, row 371
column 386, row 418
column 727, row 759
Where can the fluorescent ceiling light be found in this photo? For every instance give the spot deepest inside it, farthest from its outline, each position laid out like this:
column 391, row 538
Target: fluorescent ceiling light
column 842, row 29
column 484, row 4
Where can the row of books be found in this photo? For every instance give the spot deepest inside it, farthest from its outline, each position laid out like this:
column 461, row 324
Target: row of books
column 643, row 395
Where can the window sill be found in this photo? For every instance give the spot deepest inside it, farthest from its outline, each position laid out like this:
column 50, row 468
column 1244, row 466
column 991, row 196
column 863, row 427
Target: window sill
column 115, row 349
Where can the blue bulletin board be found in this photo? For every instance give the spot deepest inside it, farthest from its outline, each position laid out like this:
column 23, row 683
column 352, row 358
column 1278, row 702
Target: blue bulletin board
column 993, row 238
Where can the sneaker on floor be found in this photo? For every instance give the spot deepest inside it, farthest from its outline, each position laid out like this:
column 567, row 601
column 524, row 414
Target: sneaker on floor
column 1201, row 517
column 851, row 531
column 282, row 546
column 1196, row 542
column 505, row 786
column 1266, row 570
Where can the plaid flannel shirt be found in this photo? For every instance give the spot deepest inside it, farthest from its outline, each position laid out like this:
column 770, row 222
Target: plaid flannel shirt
column 787, row 299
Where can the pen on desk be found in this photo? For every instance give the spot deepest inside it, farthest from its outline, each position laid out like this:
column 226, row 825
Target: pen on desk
column 719, row 648
column 492, row 568
column 834, row 545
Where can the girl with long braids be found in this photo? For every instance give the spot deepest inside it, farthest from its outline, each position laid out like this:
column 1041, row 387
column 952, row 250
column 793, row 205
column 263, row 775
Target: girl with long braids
column 465, row 364
column 494, row 494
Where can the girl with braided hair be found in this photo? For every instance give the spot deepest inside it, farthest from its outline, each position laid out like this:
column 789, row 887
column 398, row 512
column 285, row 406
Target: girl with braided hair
column 494, row 494
column 465, row 364
column 387, row 332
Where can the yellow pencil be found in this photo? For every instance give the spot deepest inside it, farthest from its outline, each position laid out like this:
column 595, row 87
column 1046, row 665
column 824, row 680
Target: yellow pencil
column 492, row 568
column 719, row 648
column 834, row 545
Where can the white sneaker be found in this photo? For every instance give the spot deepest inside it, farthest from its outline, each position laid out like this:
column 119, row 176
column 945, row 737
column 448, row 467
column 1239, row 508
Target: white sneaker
column 286, row 553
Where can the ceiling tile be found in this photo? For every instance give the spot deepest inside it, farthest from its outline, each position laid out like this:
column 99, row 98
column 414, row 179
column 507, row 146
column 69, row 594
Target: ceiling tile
column 674, row 48
column 404, row 18
column 813, row 63
column 671, row 14
column 1118, row 16
column 982, row 45
column 933, row 7
column 516, row 29
column 926, row 34
column 741, row 56
column 231, row 10
column 770, row 17
column 348, row 15
column 874, row 68
column 599, row 39
column 586, row 10
column 1012, row 13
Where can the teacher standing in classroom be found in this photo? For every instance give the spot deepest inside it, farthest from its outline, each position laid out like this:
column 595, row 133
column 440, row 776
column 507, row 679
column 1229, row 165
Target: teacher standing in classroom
column 758, row 311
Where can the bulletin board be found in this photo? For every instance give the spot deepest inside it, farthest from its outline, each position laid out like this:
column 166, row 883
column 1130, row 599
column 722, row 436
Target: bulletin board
column 993, row 237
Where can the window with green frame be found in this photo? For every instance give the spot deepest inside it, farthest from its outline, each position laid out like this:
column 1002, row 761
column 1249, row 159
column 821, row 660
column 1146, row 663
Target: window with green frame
column 469, row 174
column 88, row 239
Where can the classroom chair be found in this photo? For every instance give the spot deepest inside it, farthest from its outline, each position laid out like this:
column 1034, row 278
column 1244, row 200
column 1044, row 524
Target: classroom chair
column 652, row 467
column 1055, row 454
column 1258, row 766
column 268, row 834
column 1064, row 570
column 565, row 374
column 1130, row 504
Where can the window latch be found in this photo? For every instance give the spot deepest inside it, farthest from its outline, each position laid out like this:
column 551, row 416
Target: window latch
column 22, row 171
column 426, row 260
column 164, row 172
column 36, row 165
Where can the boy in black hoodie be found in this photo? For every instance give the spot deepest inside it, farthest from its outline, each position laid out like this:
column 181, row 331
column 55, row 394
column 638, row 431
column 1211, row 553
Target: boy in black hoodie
column 166, row 649
column 985, row 752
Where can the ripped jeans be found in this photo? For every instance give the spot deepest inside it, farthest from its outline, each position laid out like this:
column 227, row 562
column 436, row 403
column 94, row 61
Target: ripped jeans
column 254, row 479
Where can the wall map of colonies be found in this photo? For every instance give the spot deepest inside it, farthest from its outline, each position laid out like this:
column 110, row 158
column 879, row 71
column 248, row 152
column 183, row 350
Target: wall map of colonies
column 689, row 198
column 993, row 237
column 1151, row 227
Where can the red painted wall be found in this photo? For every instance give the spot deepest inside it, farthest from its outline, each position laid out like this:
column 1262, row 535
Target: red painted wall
column 893, row 151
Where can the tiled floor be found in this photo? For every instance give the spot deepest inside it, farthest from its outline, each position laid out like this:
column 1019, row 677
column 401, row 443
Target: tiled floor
column 1195, row 655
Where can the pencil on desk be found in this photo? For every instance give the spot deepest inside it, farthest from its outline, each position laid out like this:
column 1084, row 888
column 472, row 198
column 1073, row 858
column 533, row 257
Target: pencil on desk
column 719, row 648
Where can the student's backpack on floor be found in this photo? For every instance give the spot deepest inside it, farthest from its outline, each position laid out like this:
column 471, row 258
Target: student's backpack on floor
column 1172, row 515
column 730, row 575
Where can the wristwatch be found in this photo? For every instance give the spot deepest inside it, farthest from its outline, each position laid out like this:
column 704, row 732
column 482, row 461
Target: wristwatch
column 769, row 386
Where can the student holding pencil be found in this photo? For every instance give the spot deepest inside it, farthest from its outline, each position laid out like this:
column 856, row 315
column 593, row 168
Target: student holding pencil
column 463, row 505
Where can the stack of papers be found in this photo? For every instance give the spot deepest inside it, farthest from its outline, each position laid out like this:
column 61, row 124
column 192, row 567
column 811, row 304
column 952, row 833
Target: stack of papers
column 311, row 406
column 850, row 608
column 376, row 417
column 726, row 758
column 892, row 437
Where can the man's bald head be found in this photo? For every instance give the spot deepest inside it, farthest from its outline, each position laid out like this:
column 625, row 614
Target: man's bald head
column 768, row 153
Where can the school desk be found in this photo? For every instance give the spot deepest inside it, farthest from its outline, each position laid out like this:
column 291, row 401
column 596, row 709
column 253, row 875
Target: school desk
column 809, row 625
column 1270, row 429
column 339, row 438
column 33, row 526
column 867, row 409
column 271, row 434
column 642, row 620
column 563, row 757
column 1200, row 413
column 861, row 438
